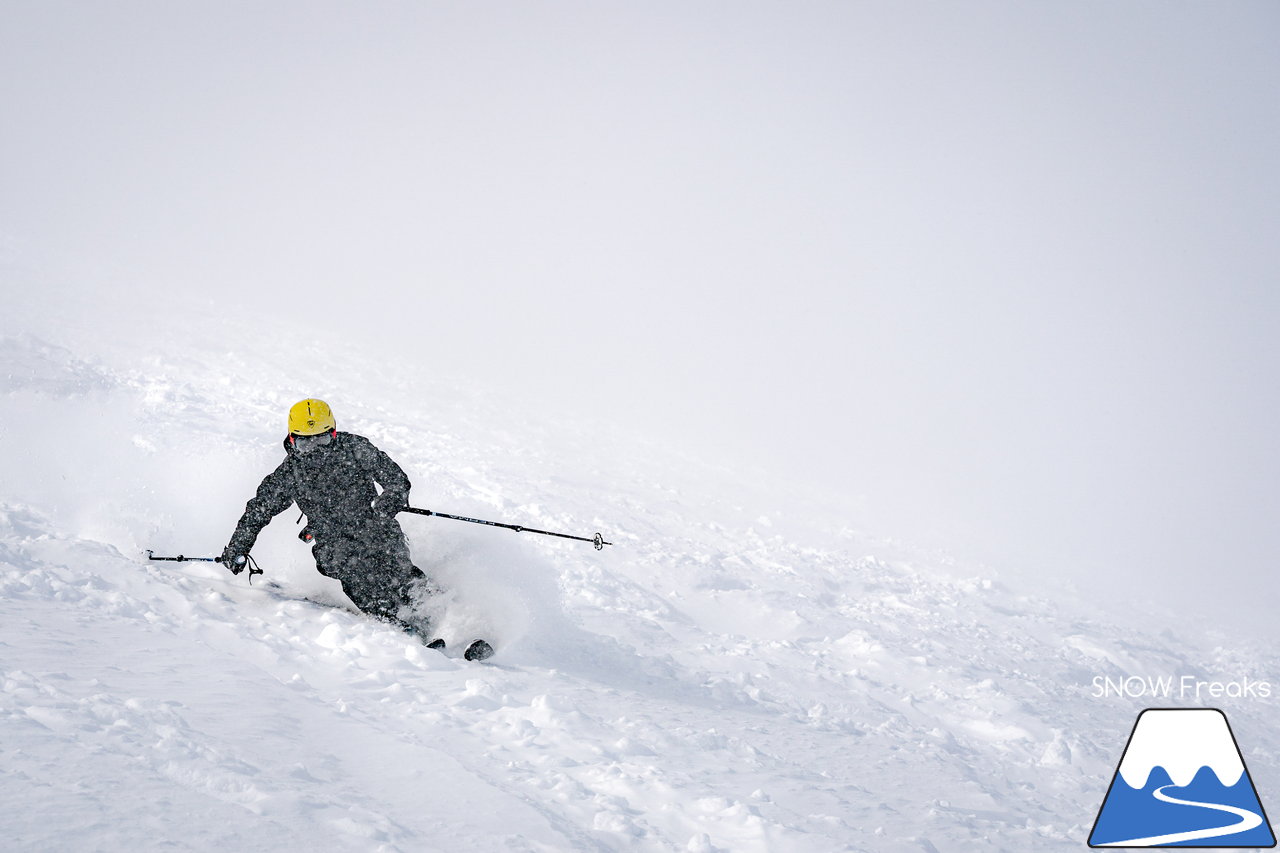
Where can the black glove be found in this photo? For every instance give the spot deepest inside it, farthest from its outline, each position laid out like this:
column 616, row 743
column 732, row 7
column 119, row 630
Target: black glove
column 233, row 561
column 388, row 504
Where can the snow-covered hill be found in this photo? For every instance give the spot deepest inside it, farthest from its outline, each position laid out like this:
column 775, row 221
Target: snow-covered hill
column 742, row 671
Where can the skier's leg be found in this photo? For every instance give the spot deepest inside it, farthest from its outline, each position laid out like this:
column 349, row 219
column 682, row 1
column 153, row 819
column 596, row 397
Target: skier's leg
column 365, row 576
column 377, row 574
column 330, row 556
column 383, row 579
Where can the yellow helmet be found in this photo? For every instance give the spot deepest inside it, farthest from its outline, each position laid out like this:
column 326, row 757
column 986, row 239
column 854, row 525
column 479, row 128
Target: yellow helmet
column 311, row 417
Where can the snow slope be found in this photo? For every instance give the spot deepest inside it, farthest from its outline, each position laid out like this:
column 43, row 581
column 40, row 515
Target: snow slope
column 742, row 671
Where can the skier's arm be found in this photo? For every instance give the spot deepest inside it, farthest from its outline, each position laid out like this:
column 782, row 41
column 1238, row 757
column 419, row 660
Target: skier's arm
column 390, row 476
column 272, row 498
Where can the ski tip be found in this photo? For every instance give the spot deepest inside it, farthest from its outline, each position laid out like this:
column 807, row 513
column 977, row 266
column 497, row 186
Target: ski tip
column 478, row 650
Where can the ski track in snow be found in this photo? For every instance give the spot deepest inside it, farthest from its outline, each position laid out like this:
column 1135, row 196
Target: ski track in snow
column 722, row 679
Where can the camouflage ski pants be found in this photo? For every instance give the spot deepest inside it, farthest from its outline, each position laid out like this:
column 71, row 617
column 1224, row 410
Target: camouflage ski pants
column 372, row 563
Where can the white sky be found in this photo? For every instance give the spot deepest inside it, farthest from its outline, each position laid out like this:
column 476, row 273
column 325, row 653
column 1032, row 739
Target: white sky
column 1008, row 270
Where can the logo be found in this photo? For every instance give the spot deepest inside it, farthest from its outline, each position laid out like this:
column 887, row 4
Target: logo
column 1182, row 782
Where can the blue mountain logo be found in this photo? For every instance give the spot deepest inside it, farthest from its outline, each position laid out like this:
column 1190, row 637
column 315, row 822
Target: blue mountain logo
column 1182, row 783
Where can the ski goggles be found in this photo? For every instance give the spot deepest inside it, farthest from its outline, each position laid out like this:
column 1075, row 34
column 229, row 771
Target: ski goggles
column 308, row 443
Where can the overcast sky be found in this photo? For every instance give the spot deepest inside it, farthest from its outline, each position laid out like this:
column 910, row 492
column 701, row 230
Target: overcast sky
column 1004, row 274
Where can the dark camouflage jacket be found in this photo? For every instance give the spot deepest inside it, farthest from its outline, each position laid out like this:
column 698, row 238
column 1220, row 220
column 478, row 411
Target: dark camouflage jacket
column 332, row 485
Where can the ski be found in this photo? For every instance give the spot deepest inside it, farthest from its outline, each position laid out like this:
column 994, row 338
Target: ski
column 478, row 650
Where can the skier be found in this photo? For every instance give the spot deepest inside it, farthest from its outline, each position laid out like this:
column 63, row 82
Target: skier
column 330, row 475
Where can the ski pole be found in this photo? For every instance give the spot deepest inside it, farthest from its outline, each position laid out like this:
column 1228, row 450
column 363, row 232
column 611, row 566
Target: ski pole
column 596, row 540
column 252, row 563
